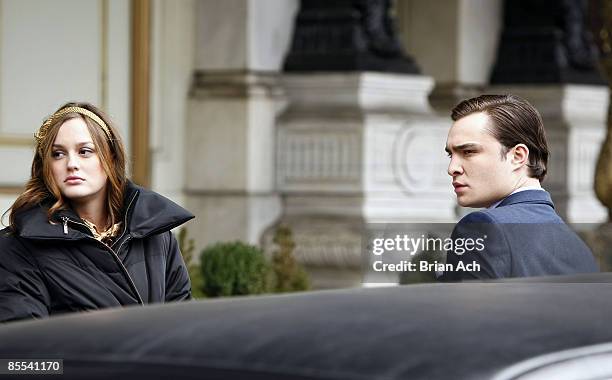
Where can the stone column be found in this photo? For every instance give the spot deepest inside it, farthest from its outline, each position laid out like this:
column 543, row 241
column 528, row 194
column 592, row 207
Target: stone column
column 574, row 118
column 466, row 34
column 359, row 143
column 234, row 100
column 539, row 50
column 546, row 54
column 353, row 149
column 453, row 41
column 172, row 60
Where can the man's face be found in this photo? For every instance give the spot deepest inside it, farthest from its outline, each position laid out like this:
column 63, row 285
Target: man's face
column 480, row 176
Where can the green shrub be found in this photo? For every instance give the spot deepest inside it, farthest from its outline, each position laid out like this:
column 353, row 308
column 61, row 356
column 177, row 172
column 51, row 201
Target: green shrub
column 289, row 276
column 234, row 269
column 186, row 247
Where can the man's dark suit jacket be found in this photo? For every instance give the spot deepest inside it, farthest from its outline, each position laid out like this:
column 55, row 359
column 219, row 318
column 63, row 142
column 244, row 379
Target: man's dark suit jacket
column 524, row 237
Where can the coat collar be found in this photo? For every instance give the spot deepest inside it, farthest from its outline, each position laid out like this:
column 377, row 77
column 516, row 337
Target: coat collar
column 528, row 196
column 147, row 213
column 152, row 213
column 34, row 224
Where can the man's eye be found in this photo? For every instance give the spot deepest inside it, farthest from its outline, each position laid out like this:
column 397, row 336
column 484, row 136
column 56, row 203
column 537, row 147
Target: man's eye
column 468, row 152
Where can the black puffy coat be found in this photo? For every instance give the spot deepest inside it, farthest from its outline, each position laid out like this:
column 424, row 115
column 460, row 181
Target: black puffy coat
column 55, row 268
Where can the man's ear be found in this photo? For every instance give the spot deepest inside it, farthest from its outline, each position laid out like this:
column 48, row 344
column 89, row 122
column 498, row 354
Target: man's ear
column 520, row 155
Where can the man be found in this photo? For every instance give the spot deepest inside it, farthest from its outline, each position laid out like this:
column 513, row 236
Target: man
column 498, row 158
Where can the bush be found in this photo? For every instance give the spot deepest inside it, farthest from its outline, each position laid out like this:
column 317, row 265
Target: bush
column 289, row 276
column 186, row 247
column 234, row 269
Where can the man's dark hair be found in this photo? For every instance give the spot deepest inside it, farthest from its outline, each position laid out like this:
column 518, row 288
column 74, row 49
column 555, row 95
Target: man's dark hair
column 513, row 121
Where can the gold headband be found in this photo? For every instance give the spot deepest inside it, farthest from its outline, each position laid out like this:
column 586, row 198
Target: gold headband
column 42, row 131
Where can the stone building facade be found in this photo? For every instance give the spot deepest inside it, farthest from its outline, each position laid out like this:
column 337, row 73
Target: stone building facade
column 230, row 129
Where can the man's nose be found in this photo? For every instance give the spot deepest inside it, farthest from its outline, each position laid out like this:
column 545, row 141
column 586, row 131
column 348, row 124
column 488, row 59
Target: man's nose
column 454, row 167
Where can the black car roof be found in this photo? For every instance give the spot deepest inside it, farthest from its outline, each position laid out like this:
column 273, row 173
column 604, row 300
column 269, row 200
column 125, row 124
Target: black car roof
column 430, row 331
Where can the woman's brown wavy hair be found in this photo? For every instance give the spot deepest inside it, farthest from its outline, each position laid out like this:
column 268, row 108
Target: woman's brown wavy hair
column 41, row 186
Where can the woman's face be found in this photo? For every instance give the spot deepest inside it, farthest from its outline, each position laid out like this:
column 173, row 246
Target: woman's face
column 75, row 164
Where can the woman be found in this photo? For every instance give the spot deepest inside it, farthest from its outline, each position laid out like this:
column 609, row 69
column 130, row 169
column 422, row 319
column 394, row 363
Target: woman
column 81, row 236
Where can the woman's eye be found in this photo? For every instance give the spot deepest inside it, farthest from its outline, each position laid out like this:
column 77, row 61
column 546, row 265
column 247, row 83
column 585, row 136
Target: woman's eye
column 85, row 152
column 449, row 154
column 57, row 154
column 468, row 152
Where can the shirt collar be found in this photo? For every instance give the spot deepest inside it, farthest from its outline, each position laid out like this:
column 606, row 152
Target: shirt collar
column 535, row 187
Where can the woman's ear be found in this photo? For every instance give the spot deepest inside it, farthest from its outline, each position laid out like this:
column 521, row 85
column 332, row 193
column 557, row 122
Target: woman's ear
column 520, row 155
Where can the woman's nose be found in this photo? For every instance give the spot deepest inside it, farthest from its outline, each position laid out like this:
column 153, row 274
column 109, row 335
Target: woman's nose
column 73, row 162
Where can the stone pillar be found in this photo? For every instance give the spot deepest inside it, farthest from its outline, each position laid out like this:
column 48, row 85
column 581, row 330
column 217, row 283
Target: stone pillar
column 574, row 118
column 355, row 145
column 520, row 42
column 546, row 54
column 172, row 60
column 234, row 100
column 353, row 149
column 466, row 34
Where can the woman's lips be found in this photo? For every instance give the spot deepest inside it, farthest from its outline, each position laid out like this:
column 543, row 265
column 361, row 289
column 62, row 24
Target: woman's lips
column 74, row 180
